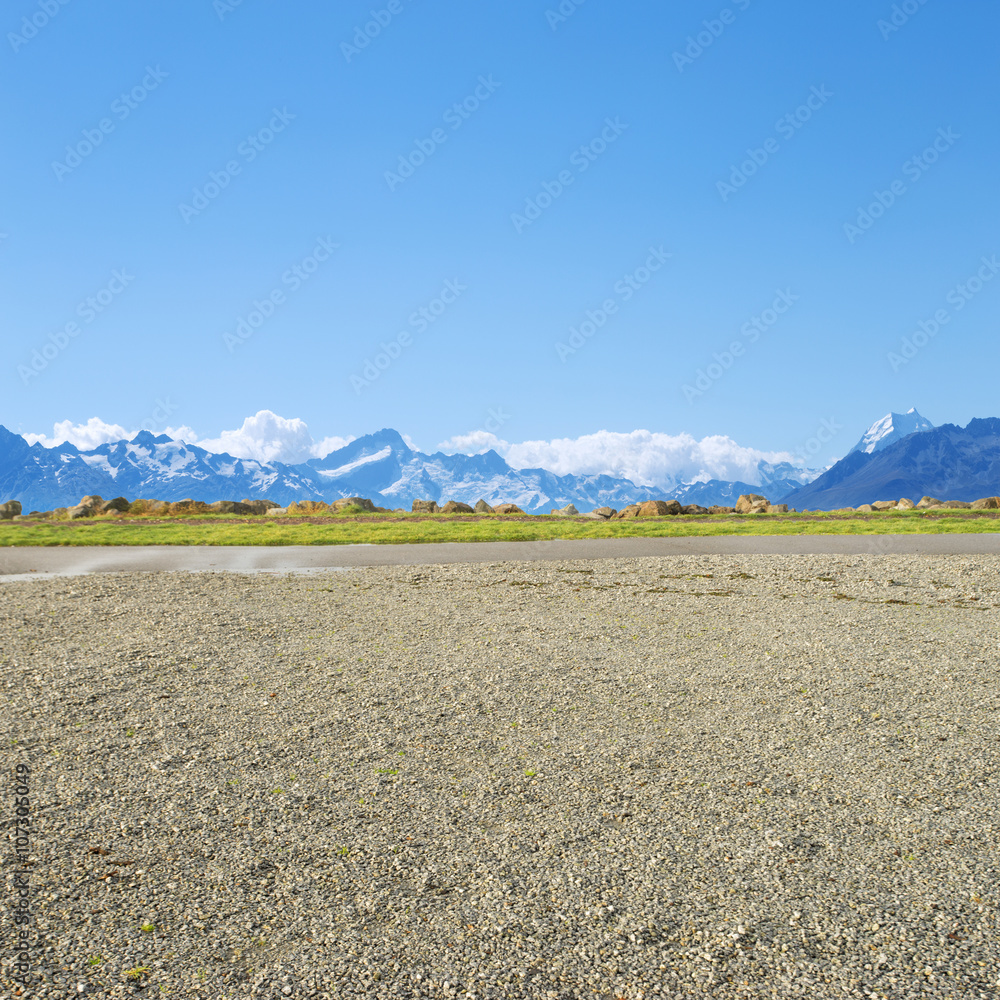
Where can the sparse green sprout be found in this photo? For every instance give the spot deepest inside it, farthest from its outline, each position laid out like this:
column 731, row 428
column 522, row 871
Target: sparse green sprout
column 95, row 960
column 137, row 972
column 148, row 928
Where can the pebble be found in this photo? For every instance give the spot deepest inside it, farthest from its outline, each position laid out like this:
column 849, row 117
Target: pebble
column 740, row 776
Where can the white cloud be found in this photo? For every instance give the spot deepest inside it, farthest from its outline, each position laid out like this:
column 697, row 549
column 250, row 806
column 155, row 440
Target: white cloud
column 267, row 437
column 264, row 437
column 644, row 457
column 86, row 436
column 473, row 443
column 323, row 448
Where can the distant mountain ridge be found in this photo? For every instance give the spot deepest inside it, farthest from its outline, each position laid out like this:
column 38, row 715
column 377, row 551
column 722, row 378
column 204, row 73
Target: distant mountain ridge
column 380, row 466
column 891, row 428
column 947, row 462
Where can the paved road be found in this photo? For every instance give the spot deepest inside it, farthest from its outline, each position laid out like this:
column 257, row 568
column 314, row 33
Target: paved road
column 33, row 562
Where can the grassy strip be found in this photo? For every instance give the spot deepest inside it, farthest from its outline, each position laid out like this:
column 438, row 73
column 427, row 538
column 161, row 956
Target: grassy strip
column 386, row 529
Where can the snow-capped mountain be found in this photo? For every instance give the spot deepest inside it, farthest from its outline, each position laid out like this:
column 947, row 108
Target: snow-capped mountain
column 948, row 462
column 146, row 466
column 380, row 466
column 891, row 428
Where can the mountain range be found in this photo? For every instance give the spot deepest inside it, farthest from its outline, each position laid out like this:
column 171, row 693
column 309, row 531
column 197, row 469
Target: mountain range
column 379, row 466
column 900, row 455
column 946, row 462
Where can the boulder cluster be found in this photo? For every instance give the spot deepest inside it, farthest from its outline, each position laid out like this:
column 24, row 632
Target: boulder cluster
column 925, row 503
column 95, row 506
column 749, row 503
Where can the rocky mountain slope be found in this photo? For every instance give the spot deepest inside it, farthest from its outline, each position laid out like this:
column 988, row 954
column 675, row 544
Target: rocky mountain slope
column 957, row 463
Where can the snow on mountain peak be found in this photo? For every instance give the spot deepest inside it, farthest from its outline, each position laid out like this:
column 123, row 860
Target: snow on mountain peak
column 891, row 428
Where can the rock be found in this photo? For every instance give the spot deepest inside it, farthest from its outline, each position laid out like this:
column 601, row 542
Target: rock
column 694, row 508
column 507, row 508
column 721, row 510
column 60, row 512
column 91, row 501
column 776, row 508
column 80, row 510
column 659, row 508
column 905, row 504
column 606, row 512
column 10, row 510
column 382, row 510
column 363, row 502
column 188, row 506
column 593, row 516
column 267, row 503
column 986, row 503
column 259, row 507
column 884, row 505
column 926, row 502
column 865, row 508
column 276, row 512
column 398, row 510
column 425, row 507
column 230, row 507
column 751, row 503
column 457, row 507
column 307, row 507
column 956, row 505
column 484, row 508
column 119, row 503
column 568, row 511
column 627, row 513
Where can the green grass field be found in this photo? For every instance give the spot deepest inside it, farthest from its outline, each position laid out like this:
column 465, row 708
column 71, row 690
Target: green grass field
column 353, row 528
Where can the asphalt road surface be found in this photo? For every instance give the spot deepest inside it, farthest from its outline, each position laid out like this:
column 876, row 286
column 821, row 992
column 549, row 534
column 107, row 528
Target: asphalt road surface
column 32, row 562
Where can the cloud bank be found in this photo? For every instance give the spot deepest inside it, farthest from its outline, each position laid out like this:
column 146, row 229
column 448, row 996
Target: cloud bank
column 264, row 437
column 645, row 457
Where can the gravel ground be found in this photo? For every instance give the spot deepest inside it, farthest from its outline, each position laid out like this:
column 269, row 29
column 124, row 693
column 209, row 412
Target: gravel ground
column 729, row 776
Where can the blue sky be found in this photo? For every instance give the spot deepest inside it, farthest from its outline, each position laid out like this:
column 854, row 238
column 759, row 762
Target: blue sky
column 745, row 212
